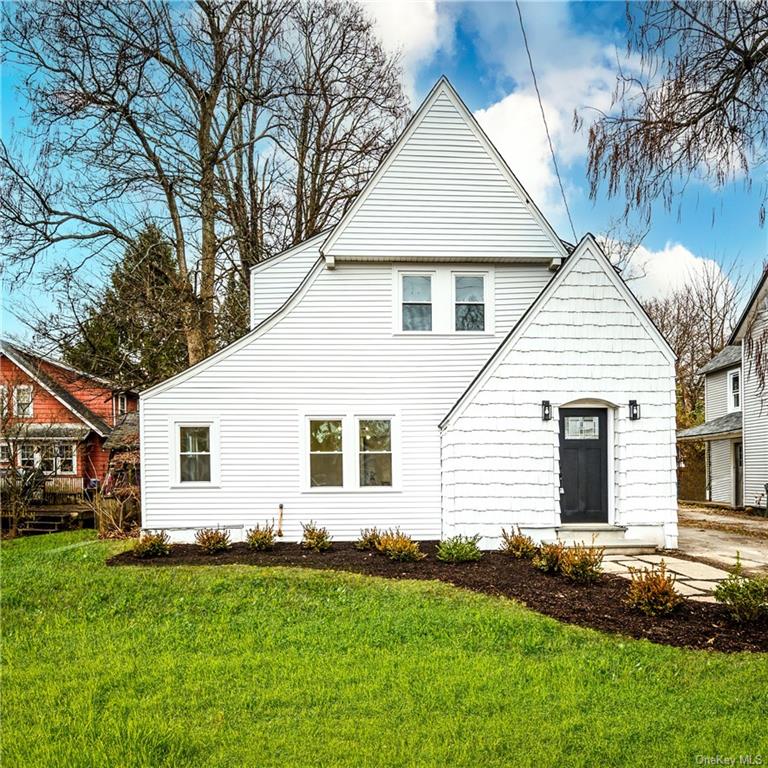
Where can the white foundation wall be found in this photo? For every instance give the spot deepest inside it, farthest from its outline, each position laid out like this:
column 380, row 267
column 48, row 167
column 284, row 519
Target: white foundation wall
column 334, row 351
column 501, row 460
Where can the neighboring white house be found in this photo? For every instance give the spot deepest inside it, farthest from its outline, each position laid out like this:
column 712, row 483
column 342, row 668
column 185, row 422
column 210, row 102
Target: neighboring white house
column 439, row 361
column 735, row 429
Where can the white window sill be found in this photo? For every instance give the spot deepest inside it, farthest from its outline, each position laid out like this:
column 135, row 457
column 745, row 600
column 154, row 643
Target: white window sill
column 444, row 334
column 347, row 491
column 195, row 485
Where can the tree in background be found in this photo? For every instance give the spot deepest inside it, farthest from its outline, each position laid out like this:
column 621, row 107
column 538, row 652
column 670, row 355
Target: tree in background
column 131, row 332
column 698, row 108
column 696, row 320
column 234, row 127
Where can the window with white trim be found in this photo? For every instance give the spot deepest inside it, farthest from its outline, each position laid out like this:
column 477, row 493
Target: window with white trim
column 3, row 401
column 375, row 452
column 122, row 404
column 66, row 458
column 326, row 453
column 48, row 458
column 22, row 401
column 469, row 302
column 27, row 456
column 417, row 302
column 195, row 453
column 5, row 453
column 734, row 390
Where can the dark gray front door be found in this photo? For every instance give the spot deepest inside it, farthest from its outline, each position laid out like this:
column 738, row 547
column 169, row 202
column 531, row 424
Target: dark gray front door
column 583, row 465
column 738, row 465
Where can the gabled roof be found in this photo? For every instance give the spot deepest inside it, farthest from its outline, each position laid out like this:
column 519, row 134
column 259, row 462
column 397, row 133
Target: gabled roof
column 30, row 364
column 443, row 192
column 724, row 425
column 125, row 433
column 727, row 357
column 587, row 244
column 761, row 291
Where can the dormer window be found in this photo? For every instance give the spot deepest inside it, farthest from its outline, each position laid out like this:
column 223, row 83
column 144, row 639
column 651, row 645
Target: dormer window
column 734, row 390
column 122, row 404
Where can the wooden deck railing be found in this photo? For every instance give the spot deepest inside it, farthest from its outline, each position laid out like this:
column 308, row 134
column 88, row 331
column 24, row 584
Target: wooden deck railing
column 57, row 488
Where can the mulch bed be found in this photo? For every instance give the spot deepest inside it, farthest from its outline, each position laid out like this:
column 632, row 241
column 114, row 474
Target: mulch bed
column 600, row 606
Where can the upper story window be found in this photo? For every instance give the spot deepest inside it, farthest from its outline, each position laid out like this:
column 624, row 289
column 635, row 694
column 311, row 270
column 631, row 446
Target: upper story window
column 122, row 404
column 22, row 401
column 469, row 302
column 734, row 390
column 443, row 300
column 3, row 401
column 417, row 302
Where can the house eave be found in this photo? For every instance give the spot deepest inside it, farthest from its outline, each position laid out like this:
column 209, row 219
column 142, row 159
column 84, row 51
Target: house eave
column 490, row 258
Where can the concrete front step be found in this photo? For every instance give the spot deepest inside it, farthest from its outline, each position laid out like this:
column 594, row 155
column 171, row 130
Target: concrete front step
column 623, row 547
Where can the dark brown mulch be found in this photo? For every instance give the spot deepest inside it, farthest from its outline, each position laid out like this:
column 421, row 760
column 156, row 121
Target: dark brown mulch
column 599, row 606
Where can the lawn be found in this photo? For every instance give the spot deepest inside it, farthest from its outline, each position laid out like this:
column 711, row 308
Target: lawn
column 243, row 666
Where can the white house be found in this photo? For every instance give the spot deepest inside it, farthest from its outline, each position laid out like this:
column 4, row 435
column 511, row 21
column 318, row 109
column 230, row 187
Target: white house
column 735, row 430
column 439, row 361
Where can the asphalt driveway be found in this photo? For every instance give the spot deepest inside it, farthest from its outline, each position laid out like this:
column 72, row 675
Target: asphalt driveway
column 718, row 535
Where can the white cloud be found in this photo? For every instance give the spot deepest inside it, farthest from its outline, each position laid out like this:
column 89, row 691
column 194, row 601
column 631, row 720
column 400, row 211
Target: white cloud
column 414, row 29
column 667, row 270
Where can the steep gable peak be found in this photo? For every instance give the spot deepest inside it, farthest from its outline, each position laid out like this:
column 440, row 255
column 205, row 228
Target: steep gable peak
column 443, row 192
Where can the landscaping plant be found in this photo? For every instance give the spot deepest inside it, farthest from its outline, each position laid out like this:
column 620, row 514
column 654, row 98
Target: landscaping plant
column 549, row 557
column 261, row 538
column 152, row 545
column 582, row 563
column 399, row 546
column 652, row 591
column 517, row 544
column 213, row 540
column 315, row 538
column 369, row 539
column 745, row 598
column 459, row 549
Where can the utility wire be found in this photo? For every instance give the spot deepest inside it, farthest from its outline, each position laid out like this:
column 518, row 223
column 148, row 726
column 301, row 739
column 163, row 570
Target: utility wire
column 544, row 118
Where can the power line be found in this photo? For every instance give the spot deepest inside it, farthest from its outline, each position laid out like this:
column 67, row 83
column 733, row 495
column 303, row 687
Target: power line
column 544, row 118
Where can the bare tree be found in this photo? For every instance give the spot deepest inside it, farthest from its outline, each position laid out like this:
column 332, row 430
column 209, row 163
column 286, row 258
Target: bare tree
column 176, row 114
column 699, row 107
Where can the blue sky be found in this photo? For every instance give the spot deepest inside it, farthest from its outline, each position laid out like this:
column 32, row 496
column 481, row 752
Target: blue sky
column 575, row 49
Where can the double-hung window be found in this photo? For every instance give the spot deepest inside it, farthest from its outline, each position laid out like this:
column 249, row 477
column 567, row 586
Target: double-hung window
column 22, row 401
column 122, row 404
column 194, row 453
column 375, row 450
column 27, row 456
column 3, row 401
column 469, row 302
column 326, row 453
column 65, row 458
column 48, row 458
column 417, row 302
column 734, row 391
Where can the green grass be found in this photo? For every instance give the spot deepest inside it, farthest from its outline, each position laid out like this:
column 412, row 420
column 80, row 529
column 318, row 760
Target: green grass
column 239, row 666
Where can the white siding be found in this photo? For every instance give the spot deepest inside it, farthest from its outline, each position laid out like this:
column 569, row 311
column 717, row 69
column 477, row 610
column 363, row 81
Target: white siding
column 332, row 350
column 442, row 193
column 275, row 280
column 716, row 394
column 720, row 468
column 755, row 408
column 584, row 342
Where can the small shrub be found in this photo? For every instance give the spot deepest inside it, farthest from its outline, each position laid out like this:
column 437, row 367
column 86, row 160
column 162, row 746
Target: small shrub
column 746, row 599
column 652, row 591
column 459, row 549
column 315, row 538
column 549, row 557
column 369, row 539
column 152, row 545
column 517, row 544
column 261, row 538
column 399, row 546
column 581, row 563
column 212, row 540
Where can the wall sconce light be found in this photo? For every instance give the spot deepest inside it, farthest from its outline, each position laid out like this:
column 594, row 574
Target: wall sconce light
column 634, row 410
column 546, row 410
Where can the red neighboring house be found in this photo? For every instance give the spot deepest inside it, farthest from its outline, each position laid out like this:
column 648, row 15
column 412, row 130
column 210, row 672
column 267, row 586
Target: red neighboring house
column 57, row 418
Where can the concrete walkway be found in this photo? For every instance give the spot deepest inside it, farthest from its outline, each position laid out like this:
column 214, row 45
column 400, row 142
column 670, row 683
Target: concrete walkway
column 694, row 580
column 718, row 535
